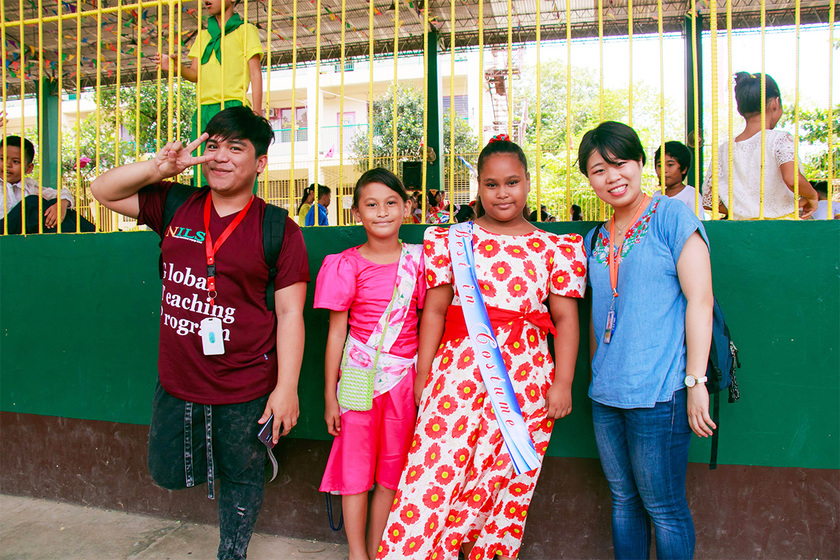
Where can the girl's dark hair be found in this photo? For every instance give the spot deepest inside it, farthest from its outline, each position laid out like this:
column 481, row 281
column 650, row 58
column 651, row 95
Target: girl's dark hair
column 613, row 141
column 748, row 92
column 576, row 217
column 503, row 146
column 378, row 175
column 306, row 192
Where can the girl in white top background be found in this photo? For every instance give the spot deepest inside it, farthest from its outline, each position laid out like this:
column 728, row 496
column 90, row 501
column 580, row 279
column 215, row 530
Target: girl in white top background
column 779, row 165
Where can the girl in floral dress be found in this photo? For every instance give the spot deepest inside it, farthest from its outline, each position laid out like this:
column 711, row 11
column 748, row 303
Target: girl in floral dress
column 377, row 288
column 459, row 489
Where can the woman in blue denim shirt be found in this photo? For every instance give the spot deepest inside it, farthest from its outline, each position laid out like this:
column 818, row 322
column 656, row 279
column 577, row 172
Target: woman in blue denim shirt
column 650, row 335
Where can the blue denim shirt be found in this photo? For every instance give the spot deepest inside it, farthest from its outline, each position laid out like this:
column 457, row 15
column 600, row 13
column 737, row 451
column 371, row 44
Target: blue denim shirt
column 644, row 363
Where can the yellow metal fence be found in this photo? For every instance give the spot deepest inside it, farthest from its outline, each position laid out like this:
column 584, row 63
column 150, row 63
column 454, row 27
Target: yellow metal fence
column 116, row 105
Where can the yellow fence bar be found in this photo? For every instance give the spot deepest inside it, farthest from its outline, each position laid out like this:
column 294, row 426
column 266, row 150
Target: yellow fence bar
column 830, row 123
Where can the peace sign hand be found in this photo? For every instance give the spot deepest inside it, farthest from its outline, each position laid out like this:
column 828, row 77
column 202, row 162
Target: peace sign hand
column 174, row 158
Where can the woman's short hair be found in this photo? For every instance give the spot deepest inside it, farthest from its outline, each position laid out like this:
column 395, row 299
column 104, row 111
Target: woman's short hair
column 613, row 141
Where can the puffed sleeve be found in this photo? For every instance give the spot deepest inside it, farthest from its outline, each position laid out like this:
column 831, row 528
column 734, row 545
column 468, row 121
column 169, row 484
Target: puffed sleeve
column 335, row 287
column 568, row 266
column 436, row 257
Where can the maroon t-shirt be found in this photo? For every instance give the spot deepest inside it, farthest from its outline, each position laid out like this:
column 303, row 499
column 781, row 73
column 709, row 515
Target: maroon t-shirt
column 248, row 368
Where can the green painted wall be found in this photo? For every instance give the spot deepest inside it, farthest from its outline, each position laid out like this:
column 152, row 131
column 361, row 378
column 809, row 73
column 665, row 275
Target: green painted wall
column 79, row 321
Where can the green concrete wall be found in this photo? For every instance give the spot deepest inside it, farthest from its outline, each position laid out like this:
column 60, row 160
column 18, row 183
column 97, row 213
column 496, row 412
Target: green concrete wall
column 79, row 319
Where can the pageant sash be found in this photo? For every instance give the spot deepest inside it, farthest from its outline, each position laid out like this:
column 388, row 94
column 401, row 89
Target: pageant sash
column 518, row 441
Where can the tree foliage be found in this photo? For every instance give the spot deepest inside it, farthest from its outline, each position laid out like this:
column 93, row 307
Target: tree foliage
column 815, row 125
column 588, row 101
column 409, row 112
column 140, row 130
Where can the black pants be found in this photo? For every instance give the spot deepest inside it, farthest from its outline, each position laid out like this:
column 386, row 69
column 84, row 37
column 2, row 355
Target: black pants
column 35, row 216
column 190, row 442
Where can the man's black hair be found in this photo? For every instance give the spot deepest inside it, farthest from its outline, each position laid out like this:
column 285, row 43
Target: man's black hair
column 748, row 92
column 241, row 123
column 613, row 141
column 28, row 147
column 679, row 152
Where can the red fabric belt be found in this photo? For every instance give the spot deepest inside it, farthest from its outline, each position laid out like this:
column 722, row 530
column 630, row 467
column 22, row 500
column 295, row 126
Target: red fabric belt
column 456, row 327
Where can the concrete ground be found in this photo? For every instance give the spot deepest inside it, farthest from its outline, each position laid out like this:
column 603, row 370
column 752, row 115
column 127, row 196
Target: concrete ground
column 32, row 529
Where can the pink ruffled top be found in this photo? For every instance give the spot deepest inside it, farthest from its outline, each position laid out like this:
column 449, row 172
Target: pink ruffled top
column 348, row 281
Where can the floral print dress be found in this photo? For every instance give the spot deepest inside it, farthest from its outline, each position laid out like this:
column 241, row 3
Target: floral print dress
column 458, row 484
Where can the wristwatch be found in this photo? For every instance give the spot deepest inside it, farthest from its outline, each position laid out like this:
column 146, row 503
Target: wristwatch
column 691, row 381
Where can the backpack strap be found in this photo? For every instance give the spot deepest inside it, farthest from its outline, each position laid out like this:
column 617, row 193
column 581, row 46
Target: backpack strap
column 176, row 196
column 716, row 433
column 594, row 239
column 274, row 228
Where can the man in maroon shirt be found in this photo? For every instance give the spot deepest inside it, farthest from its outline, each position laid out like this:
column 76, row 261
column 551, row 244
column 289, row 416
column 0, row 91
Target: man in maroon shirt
column 226, row 361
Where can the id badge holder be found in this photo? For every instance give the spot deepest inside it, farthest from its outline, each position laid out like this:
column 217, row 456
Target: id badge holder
column 609, row 328
column 212, row 338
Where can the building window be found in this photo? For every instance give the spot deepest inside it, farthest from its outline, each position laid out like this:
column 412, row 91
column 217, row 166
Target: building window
column 462, row 106
column 286, row 124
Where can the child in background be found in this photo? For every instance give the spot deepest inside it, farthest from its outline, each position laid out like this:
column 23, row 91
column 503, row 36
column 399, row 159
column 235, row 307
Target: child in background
column 320, row 207
column 677, row 161
column 822, row 206
column 377, row 288
column 459, row 489
column 242, row 54
column 780, row 168
column 305, row 203
column 17, row 164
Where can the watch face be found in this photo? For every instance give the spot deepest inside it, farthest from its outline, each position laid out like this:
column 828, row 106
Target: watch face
column 690, row 381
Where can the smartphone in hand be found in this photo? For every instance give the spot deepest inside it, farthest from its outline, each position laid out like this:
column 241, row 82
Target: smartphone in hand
column 266, row 431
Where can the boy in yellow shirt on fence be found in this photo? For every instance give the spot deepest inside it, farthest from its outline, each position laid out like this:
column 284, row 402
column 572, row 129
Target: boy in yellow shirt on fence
column 225, row 57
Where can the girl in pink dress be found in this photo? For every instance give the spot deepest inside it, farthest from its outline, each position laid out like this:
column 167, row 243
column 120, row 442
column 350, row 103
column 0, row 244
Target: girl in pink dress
column 460, row 488
column 377, row 288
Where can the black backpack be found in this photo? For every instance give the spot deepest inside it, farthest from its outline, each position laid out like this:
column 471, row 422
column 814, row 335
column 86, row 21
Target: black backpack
column 720, row 369
column 273, row 228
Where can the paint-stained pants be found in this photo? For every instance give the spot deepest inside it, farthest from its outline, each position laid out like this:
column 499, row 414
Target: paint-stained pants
column 191, row 444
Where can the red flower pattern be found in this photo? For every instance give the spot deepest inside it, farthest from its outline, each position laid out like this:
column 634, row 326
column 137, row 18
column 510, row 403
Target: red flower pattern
column 433, row 497
column 488, row 249
column 447, row 405
column 467, row 358
column 515, row 251
column 458, row 474
column 500, row 270
column 413, row 473
column 532, row 392
column 410, row 514
column 432, row 455
column 466, row 389
column 436, row 427
column 517, row 287
column 444, row 474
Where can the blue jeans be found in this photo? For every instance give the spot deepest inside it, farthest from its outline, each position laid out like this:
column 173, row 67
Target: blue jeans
column 644, row 454
column 190, row 444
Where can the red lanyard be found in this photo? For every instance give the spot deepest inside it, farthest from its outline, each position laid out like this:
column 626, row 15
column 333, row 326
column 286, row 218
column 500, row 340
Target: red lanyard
column 611, row 260
column 210, row 248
